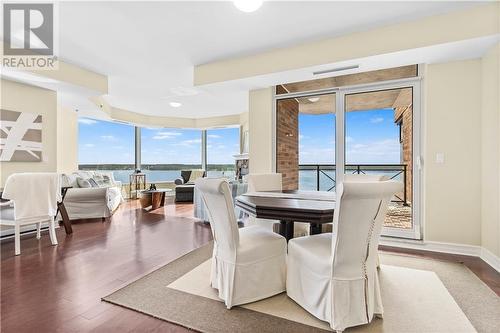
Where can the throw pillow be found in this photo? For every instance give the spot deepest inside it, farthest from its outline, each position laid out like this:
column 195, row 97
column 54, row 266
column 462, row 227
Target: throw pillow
column 93, row 183
column 195, row 174
column 83, row 183
column 106, row 180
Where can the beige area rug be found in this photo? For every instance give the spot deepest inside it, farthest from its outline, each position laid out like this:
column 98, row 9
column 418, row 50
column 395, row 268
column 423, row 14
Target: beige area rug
column 419, row 295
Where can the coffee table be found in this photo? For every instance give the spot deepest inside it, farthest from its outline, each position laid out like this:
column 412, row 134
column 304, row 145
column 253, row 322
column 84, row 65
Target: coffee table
column 153, row 198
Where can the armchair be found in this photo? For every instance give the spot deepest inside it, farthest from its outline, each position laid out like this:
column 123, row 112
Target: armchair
column 184, row 189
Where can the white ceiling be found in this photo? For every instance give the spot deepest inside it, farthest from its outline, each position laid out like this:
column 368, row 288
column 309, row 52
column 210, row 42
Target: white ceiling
column 149, row 49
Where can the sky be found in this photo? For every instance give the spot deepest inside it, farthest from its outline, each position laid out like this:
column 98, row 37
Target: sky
column 102, row 142
column 371, row 138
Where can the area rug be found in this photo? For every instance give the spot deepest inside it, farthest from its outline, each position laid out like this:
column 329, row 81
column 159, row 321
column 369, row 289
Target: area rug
column 419, row 295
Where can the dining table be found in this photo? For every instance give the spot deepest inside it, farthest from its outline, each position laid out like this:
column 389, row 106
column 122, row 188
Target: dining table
column 288, row 207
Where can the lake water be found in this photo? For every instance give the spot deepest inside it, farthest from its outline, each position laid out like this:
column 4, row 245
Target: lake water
column 163, row 175
column 307, row 178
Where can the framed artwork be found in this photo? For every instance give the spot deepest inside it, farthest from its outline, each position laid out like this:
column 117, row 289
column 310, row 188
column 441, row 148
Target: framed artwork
column 20, row 136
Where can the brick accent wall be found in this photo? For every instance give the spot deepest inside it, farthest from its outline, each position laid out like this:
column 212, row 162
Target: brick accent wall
column 404, row 115
column 287, row 142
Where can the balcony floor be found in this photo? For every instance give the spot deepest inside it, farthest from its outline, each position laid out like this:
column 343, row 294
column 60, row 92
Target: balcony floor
column 398, row 216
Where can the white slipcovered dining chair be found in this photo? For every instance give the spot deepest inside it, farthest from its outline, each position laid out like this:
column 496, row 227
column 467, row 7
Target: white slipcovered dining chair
column 32, row 199
column 248, row 264
column 357, row 177
column 333, row 276
column 263, row 182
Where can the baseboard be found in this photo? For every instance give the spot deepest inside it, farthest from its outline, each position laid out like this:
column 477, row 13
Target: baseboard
column 488, row 257
column 450, row 248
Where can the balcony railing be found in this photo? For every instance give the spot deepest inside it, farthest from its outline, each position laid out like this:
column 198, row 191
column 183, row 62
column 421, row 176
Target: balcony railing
column 325, row 175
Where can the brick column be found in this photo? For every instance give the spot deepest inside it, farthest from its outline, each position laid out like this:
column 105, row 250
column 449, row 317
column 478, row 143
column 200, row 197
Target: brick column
column 287, row 142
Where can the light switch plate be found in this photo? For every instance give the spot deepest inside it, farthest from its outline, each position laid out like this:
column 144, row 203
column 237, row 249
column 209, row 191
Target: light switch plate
column 439, row 158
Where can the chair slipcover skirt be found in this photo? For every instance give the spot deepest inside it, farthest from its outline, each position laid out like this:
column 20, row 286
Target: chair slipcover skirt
column 258, row 272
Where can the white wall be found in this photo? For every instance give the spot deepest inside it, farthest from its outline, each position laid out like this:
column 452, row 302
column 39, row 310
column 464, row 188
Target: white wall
column 260, row 125
column 452, row 123
column 490, row 151
column 67, row 136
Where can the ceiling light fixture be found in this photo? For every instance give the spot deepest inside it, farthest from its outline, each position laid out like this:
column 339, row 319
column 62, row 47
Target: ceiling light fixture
column 247, row 6
column 338, row 69
column 175, row 104
column 313, row 99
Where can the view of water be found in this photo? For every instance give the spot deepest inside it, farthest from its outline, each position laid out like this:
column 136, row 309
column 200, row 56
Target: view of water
column 163, row 175
column 307, row 178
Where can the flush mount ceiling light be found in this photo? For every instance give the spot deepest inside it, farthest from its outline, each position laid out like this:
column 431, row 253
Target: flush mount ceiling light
column 175, row 104
column 248, row 6
column 313, row 99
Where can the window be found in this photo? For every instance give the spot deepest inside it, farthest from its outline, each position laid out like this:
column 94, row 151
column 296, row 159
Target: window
column 167, row 151
column 222, row 144
column 104, row 145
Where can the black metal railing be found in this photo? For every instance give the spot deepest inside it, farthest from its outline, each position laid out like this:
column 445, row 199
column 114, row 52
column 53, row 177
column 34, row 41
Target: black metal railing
column 393, row 171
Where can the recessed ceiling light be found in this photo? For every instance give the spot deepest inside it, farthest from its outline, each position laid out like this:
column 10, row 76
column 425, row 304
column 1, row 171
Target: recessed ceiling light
column 313, row 99
column 248, row 6
column 175, row 104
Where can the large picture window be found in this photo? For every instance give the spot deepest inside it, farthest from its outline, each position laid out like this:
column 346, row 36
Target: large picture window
column 167, row 151
column 104, row 145
column 222, row 145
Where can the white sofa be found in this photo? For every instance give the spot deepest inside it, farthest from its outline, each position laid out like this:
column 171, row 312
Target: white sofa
column 99, row 201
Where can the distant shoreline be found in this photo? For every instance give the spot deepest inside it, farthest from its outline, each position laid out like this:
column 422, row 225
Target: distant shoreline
column 163, row 167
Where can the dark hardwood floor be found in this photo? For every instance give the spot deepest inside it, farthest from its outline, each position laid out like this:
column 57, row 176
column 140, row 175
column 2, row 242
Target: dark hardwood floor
column 58, row 288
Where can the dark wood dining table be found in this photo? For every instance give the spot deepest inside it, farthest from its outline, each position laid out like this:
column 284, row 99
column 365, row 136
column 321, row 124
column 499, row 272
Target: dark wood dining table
column 311, row 207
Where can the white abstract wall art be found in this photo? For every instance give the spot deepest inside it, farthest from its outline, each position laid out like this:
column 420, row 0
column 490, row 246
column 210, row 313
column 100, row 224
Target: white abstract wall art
column 20, row 136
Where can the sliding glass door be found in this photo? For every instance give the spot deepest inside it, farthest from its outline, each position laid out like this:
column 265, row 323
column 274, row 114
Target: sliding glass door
column 365, row 129
column 379, row 140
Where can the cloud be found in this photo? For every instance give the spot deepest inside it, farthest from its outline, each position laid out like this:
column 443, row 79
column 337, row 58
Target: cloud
column 190, row 142
column 108, row 137
column 87, row 121
column 376, row 120
column 385, row 151
column 89, row 145
column 348, row 139
column 213, row 136
column 163, row 135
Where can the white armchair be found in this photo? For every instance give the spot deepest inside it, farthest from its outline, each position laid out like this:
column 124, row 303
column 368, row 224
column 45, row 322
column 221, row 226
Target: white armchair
column 334, row 276
column 248, row 264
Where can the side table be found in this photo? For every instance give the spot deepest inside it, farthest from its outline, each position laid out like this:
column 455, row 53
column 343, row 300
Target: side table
column 138, row 181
